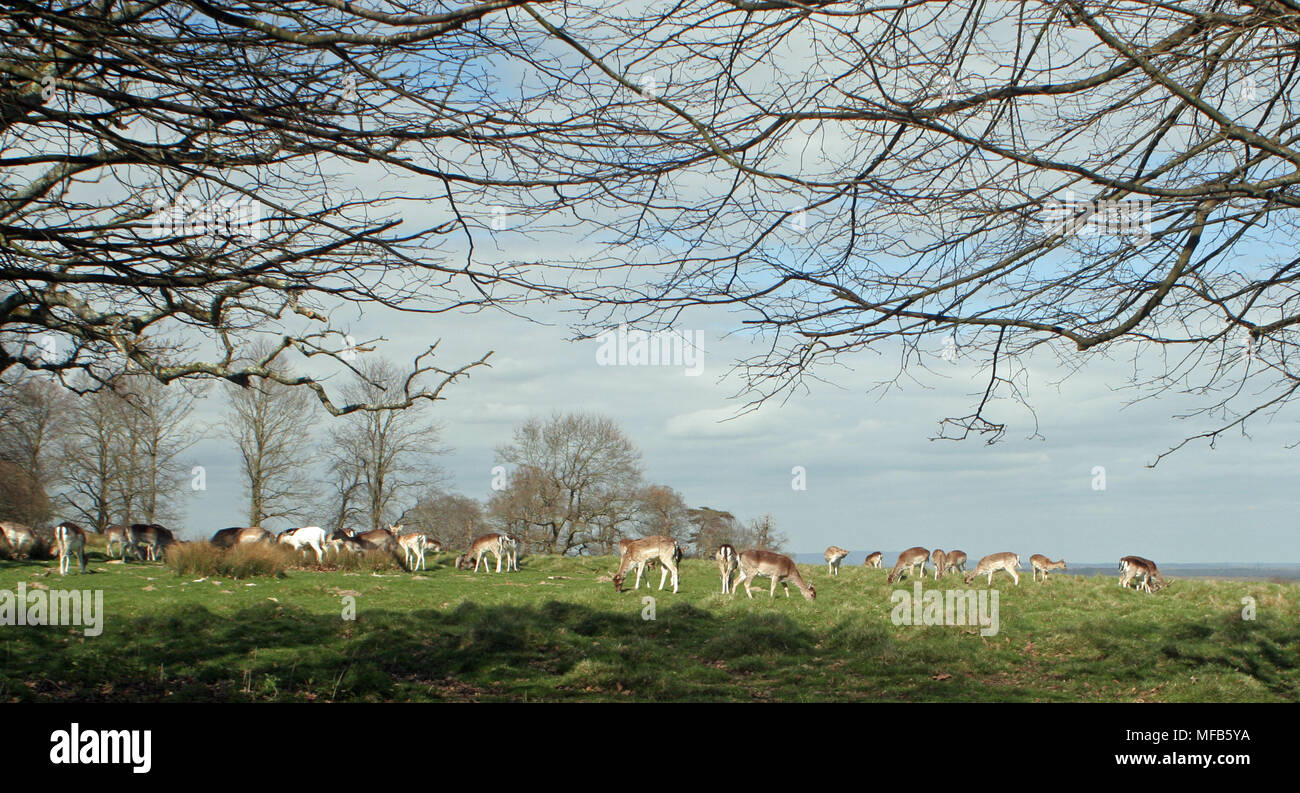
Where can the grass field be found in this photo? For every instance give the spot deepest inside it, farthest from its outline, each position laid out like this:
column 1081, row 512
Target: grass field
column 554, row 632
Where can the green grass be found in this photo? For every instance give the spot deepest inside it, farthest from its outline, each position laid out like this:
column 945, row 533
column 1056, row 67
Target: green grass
column 553, row 632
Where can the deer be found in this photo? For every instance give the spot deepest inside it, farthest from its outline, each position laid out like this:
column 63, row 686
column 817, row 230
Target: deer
column 246, row 535
column 622, row 549
column 1042, row 564
column 313, row 537
column 940, row 560
column 994, row 562
column 19, row 537
column 875, row 559
column 834, row 555
column 639, row 553
column 510, row 547
column 117, row 534
column 69, row 539
column 153, row 538
column 777, row 567
column 956, row 560
column 726, row 557
column 378, row 540
column 488, row 543
column 909, row 559
column 413, row 547
column 345, row 540
column 1144, row 570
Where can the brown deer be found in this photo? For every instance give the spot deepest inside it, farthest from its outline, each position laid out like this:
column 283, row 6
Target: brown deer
column 637, row 553
column 1144, row 570
column 940, row 560
column 875, row 559
column 488, row 543
column 956, row 561
column 908, row 559
column 117, row 534
column 994, row 562
column 154, row 539
column 775, row 566
column 834, row 555
column 242, row 535
column 1042, row 564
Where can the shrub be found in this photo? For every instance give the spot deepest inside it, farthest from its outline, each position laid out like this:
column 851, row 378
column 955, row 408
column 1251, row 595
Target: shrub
column 373, row 562
column 240, row 561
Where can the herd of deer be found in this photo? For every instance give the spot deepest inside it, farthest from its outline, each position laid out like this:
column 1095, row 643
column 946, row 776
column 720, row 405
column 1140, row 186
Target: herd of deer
column 150, row 541
column 1131, row 568
column 779, row 568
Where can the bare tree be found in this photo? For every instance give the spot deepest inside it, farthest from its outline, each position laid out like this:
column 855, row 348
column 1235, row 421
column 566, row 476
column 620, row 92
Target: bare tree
column 272, row 425
column 181, row 179
column 1079, row 179
column 34, row 412
column 761, row 532
column 574, row 484
column 661, row 510
column 91, row 460
column 343, row 482
column 954, row 180
column 378, row 457
column 156, row 433
column 453, row 518
column 714, row 527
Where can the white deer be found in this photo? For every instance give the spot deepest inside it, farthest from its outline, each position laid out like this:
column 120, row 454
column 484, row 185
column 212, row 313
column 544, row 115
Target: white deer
column 313, row 537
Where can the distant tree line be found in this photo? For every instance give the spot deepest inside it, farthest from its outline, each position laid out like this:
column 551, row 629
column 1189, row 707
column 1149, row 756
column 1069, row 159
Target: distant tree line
column 120, row 453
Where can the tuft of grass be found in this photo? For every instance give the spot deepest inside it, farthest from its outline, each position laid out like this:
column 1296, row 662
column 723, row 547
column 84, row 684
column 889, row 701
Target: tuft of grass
column 362, row 563
column 240, row 561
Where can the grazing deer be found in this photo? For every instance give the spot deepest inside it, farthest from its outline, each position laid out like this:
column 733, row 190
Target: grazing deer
column 341, row 540
column 726, row 556
column 956, row 560
column 313, row 537
column 378, row 540
column 488, row 543
column 413, row 546
column 246, row 535
column 875, row 559
column 19, row 537
column 909, row 559
column 639, row 553
column 153, row 538
column 775, row 566
column 622, row 549
column 1142, row 569
column 69, row 539
column 117, row 534
column 1042, row 564
column 834, row 555
column 994, row 562
column 940, row 560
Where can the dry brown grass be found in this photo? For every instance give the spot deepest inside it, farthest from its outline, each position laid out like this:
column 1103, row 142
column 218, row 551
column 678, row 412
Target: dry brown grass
column 240, row 561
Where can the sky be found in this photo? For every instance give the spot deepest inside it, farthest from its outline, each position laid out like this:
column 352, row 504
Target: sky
column 873, row 479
